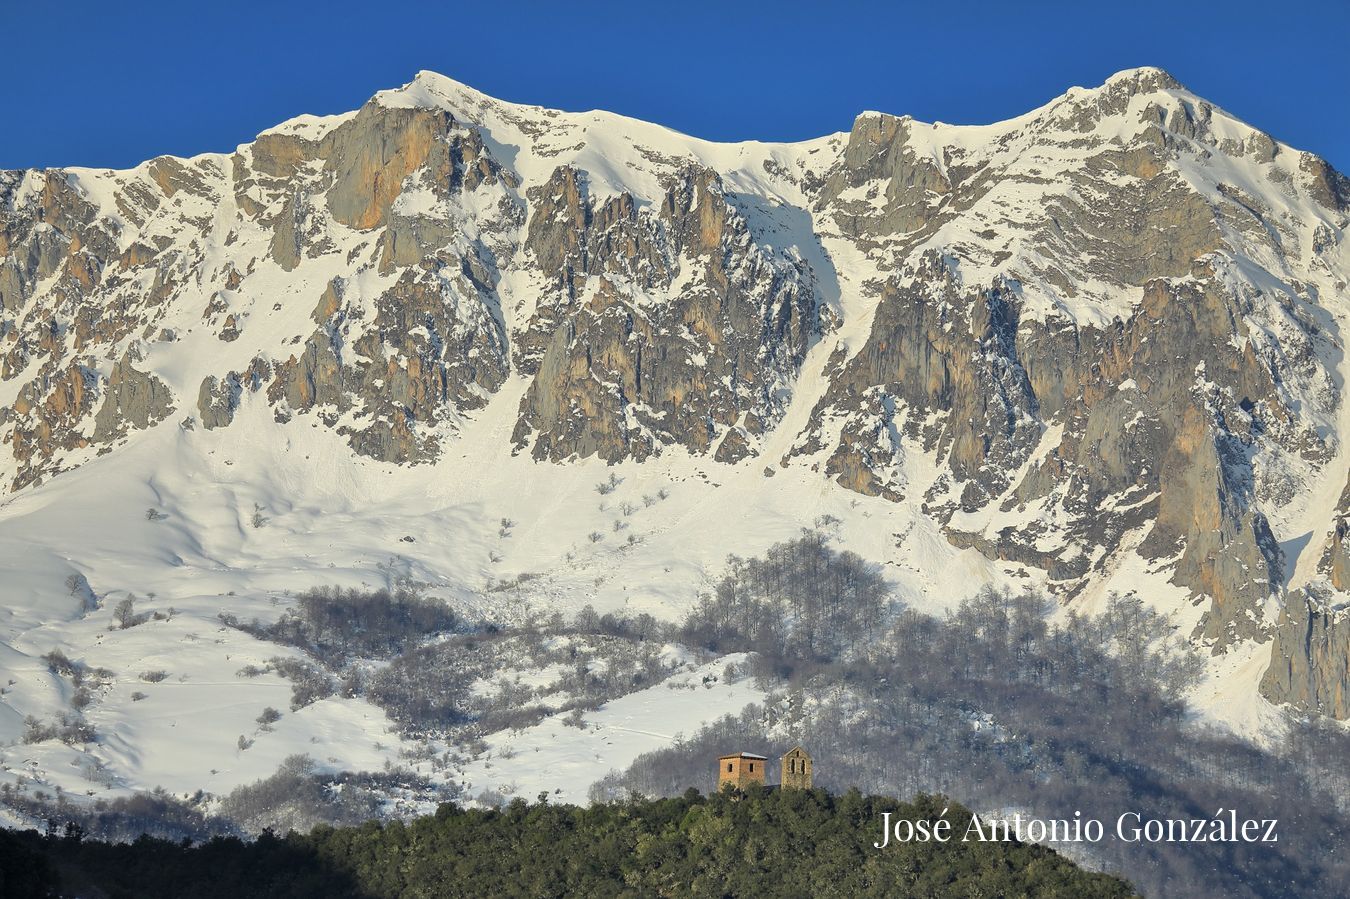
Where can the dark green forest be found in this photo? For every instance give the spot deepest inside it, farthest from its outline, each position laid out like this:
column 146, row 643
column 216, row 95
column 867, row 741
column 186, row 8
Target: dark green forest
column 764, row 843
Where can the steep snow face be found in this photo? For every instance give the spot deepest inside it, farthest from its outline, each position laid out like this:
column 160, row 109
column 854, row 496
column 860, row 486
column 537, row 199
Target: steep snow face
column 1094, row 348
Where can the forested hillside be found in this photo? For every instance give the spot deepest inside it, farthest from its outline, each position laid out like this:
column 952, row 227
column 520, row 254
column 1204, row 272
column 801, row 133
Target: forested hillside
column 1008, row 706
column 765, row 844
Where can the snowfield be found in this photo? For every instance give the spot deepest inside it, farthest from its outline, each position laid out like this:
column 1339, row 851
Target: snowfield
column 564, row 760
column 332, row 519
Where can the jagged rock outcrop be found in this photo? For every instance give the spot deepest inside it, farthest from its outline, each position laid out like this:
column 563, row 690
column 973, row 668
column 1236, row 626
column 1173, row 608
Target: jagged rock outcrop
column 44, row 420
column 131, row 399
column 1310, row 658
column 219, row 398
column 1139, row 444
column 431, row 349
column 664, row 327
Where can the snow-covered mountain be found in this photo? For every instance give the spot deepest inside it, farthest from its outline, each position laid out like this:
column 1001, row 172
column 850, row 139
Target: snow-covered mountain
column 1099, row 347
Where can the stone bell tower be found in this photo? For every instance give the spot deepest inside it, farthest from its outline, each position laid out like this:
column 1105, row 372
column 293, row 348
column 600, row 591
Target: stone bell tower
column 796, row 773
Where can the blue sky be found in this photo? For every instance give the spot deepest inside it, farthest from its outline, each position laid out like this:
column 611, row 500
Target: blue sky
column 112, row 84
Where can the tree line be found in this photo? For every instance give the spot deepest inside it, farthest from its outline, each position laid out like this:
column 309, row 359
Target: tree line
column 761, row 844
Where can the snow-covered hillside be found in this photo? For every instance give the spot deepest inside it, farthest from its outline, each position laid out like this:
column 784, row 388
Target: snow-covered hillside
column 535, row 360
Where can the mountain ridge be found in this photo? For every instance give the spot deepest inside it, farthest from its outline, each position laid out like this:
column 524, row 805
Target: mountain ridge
column 1094, row 348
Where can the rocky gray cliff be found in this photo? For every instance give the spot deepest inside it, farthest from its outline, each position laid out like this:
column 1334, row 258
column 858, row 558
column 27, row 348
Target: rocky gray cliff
column 1310, row 661
column 624, row 359
column 1103, row 337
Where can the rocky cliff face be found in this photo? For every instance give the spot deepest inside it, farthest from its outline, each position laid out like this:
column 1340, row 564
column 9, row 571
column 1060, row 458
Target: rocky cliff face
column 1108, row 333
column 1310, row 662
column 1073, row 426
column 659, row 326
